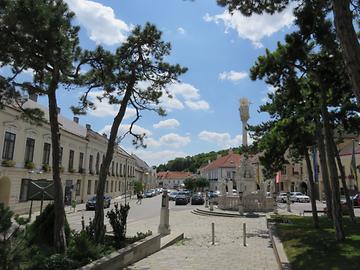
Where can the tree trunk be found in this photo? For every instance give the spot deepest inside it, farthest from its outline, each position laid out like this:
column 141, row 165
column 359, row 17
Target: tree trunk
column 336, row 210
column 312, row 190
column 324, row 169
column 343, row 20
column 343, row 182
column 99, row 207
column 59, row 211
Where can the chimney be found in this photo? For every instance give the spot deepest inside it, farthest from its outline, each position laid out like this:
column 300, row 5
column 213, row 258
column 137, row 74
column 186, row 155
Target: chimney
column 58, row 110
column 33, row 97
column 76, row 119
column 88, row 126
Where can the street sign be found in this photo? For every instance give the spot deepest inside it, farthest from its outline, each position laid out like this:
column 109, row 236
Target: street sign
column 41, row 190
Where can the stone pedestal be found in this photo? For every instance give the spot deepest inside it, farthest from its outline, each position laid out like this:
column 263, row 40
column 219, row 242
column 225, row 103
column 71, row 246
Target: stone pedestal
column 164, row 226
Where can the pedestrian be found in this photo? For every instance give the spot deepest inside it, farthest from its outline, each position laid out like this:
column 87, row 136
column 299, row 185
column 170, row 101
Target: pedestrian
column 139, row 198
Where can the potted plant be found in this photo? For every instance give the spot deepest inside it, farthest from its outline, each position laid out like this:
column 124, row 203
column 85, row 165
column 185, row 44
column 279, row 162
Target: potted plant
column 29, row 165
column 46, row 168
column 8, row 163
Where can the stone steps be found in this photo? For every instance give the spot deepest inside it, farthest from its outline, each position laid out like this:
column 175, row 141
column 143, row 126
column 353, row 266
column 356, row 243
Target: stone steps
column 213, row 213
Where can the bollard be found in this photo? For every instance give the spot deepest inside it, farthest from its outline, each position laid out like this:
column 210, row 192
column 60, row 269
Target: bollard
column 244, row 234
column 212, row 233
column 211, row 205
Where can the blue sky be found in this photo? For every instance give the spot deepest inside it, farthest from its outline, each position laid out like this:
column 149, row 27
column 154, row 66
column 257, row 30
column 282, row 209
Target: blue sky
column 218, row 50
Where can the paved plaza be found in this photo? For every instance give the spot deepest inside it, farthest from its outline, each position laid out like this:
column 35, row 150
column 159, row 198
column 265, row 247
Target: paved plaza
column 196, row 250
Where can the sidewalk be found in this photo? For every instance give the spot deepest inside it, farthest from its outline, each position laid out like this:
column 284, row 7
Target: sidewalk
column 197, row 252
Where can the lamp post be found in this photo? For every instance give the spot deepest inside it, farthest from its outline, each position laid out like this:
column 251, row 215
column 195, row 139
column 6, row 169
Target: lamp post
column 288, row 201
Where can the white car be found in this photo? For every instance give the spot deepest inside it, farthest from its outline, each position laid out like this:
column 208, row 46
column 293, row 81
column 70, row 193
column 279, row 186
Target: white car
column 282, row 197
column 299, row 197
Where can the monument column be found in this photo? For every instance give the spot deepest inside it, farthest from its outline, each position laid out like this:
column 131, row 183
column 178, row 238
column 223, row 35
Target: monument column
column 244, row 117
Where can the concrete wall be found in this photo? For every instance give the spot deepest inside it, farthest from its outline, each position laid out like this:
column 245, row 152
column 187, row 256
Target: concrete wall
column 128, row 255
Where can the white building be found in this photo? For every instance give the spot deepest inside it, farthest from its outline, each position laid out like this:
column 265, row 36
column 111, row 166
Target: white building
column 26, row 155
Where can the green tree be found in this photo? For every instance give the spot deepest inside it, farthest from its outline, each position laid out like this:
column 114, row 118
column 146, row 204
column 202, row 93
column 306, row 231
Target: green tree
column 343, row 17
column 135, row 76
column 39, row 35
column 202, row 182
column 138, row 186
column 190, row 183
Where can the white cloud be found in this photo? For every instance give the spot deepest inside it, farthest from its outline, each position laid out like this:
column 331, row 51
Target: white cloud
column 99, row 21
column 232, row 75
column 186, row 92
column 157, row 157
column 220, row 139
column 255, row 27
column 169, row 123
column 104, row 109
column 181, row 31
column 170, row 103
column 270, row 90
column 124, row 128
column 197, row 105
column 174, row 140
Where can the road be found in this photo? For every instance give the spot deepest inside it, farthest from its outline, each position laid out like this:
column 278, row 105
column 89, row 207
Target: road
column 149, row 208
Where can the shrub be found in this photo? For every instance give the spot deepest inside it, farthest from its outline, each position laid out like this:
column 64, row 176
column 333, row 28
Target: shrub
column 83, row 249
column 40, row 232
column 8, row 163
column 46, row 168
column 29, row 165
column 117, row 218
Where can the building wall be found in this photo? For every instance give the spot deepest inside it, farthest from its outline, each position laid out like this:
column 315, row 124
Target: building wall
column 80, row 183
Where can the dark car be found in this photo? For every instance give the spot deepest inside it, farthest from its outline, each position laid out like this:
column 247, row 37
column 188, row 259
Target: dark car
column 197, row 199
column 90, row 204
column 181, row 200
column 186, row 194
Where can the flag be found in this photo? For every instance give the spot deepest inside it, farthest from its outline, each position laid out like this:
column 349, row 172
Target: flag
column 315, row 165
column 353, row 161
column 278, row 177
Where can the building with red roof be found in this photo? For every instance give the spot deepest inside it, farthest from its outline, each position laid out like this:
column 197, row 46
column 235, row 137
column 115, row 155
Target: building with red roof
column 171, row 179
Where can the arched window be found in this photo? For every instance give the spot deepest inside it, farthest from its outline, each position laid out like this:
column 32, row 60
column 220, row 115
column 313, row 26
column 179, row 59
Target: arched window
column 97, row 163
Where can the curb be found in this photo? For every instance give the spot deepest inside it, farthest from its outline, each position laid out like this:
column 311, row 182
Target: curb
column 280, row 255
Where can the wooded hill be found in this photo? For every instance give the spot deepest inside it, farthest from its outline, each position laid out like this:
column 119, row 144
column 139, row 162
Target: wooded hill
column 193, row 163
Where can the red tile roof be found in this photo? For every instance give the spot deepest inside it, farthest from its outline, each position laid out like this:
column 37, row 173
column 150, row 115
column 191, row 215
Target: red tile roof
column 229, row 161
column 173, row 175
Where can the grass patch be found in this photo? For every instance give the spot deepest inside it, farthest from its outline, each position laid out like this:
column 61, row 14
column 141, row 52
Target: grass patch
column 310, row 248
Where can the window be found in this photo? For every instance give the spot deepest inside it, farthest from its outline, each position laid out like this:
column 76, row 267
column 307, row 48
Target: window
column 121, row 166
column 283, row 171
column 97, row 163
column 107, row 186
column 9, row 145
column 117, row 169
column 112, row 169
column 46, row 153
column 228, row 174
column 29, row 150
column 61, row 155
column 89, row 187
column 81, row 162
column 78, row 186
column 71, row 160
column 112, row 186
column 24, row 190
column 91, row 164
column 119, row 186
column 281, row 186
column 115, row 189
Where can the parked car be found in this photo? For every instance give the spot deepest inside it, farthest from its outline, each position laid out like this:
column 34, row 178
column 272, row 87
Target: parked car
column 173, row 195
column 148, row 194
column 153, row 191
column 356, row 199
column 197, row 199
column 282, row 197
column 214, row 196
column 181, row 199
column 186, row 193
column 299, row 197
column 90, row 204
